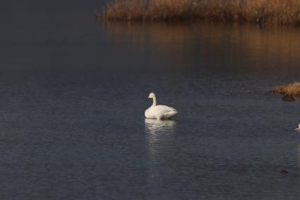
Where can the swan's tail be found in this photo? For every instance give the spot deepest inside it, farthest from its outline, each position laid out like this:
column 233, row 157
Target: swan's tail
column 170, row 114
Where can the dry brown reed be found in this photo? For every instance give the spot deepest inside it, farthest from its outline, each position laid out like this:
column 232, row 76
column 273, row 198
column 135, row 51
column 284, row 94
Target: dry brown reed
column 125, row 10
column 290, row 91
column 282, row 12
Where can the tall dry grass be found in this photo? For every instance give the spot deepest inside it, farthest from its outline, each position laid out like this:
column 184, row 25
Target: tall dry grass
column 259, row 11
column 290, row 91
column 147, row 10
column 170, row 9
column 125, row 10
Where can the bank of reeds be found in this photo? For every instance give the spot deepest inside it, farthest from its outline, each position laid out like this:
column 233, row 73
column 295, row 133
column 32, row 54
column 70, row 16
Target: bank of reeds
column 289, row 91
column 283, row 12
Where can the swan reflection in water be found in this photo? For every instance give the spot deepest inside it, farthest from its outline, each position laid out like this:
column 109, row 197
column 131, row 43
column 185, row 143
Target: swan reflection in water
column 154, row 126
column 298, row 156
column 160, row 137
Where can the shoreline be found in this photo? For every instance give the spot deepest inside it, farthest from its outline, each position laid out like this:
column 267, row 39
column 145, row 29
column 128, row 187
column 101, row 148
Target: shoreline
column 280, row 12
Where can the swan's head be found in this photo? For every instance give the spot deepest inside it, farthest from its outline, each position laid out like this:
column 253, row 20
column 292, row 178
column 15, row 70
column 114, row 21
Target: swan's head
column 151, row 95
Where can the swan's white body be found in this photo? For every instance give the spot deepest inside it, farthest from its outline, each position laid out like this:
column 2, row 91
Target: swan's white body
column 298, row 129
column 159, row 111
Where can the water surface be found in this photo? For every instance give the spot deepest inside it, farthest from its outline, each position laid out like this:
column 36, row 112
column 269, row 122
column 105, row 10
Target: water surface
column 73, row 95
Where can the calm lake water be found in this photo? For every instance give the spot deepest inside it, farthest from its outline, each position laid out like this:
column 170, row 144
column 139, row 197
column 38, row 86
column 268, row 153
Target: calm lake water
column 73, row 94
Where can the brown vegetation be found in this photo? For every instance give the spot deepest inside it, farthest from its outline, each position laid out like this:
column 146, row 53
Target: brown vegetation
column 290, row 91
column 283, row 12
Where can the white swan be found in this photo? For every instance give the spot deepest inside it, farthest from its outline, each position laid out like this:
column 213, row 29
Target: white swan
column 159, row 111
column 298, row 129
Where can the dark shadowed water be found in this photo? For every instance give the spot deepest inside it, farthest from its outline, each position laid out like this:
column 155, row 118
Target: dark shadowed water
column 73, row 94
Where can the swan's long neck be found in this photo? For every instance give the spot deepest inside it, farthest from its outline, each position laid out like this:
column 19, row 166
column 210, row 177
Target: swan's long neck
column 154, row 101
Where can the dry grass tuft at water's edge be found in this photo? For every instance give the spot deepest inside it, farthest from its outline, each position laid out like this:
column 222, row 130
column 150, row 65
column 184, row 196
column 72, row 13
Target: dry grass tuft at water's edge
column 289, row 91
column 281, row 12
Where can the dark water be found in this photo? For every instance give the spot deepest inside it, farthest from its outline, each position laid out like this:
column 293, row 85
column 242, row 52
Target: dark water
column 73, row 95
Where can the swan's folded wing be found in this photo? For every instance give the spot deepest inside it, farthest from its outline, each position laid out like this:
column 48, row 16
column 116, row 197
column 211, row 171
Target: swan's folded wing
column 165, row 111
